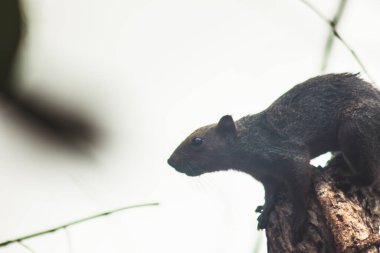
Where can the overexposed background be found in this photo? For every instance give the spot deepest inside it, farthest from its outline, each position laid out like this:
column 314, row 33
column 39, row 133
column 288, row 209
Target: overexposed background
column 148, row 73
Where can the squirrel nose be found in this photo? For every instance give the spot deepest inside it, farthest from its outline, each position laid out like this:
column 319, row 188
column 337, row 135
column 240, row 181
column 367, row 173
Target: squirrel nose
column 171, row 162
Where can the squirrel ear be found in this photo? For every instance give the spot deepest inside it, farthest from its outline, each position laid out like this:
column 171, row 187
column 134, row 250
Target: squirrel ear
column 226, row 126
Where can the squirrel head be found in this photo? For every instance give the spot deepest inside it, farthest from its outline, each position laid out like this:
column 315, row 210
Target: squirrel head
column 207, row 149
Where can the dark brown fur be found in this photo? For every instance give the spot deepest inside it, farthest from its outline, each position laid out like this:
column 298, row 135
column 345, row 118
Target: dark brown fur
column 335, row 112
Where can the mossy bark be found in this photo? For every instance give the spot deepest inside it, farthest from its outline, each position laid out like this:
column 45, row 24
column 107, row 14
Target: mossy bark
column 341, row 217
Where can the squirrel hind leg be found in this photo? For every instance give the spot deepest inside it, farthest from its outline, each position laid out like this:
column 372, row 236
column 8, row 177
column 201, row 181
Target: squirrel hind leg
column 358, row 140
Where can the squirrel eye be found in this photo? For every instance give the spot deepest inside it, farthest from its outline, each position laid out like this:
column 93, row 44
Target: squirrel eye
column 197, row 141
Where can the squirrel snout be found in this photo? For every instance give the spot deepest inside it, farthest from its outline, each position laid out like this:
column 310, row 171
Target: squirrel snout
column 171, row 162
column 175, row 163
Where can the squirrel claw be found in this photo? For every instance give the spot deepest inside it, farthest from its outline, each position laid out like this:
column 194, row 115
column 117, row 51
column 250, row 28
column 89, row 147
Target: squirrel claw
column 262, row 221
column 259, row 209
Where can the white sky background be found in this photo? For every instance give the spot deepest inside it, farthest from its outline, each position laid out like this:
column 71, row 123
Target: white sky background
column 149, row 73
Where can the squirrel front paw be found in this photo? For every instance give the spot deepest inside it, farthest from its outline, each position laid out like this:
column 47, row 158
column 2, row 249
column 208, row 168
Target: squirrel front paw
column 262, row 220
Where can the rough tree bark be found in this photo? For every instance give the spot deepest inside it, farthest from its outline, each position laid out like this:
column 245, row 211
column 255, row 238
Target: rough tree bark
column 341, row 217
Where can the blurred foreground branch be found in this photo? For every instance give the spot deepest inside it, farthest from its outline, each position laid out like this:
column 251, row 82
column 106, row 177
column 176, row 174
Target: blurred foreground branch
column 69, row 128
column 64, row 226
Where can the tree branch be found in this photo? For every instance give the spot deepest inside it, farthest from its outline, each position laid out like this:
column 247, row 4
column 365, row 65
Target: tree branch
column 339, row 220
column 18, row 240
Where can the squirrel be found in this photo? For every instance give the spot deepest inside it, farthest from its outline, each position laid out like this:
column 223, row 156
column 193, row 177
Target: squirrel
column 333, row 112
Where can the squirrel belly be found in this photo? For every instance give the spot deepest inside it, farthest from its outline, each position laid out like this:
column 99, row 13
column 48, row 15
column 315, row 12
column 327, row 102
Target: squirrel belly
column 335, row 112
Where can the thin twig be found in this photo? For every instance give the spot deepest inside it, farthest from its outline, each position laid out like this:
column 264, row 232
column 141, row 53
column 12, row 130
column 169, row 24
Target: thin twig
column 330, row 39
column 316, row 11
column 337, row 35
column 26, row 246
column 355, row 55
column 2, row 244
column 68, row 239
column 258, row 243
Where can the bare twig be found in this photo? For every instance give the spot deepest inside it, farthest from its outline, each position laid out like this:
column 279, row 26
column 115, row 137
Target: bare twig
column 68, row 239
column 18, row 240
column 354, row 54
column 337, row 35
column 330, row 39
column 316, row 11
column 258, row 243
column 26, row 246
